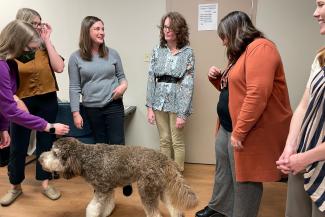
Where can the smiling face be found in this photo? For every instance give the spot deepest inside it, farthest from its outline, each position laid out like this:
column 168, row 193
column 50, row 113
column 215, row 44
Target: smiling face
column 97, row 33
column 319, row 14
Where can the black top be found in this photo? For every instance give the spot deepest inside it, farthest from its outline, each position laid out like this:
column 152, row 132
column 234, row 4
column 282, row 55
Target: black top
column 223, row 110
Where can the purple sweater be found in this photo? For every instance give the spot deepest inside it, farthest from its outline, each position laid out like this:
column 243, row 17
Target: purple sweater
column 9, row 112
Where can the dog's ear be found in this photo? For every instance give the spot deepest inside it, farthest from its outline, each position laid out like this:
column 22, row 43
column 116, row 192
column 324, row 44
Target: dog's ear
column 72, row 168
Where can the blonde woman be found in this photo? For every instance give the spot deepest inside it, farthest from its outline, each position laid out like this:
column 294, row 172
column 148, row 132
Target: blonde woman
column 37, row 89
column 304, row 155
column 9, row 49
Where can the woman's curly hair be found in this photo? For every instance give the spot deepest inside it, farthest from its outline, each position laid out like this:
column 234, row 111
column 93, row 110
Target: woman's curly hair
column 179, row 26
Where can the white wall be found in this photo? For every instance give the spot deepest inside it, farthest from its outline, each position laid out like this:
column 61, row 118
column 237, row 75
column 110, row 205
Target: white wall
column 131, row 28
column 290, row 24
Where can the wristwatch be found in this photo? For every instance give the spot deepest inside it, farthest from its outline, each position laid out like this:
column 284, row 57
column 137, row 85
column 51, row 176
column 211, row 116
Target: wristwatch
column 52, row 129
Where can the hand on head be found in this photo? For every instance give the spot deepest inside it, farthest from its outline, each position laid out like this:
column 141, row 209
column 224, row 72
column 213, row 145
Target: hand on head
column 45, row 32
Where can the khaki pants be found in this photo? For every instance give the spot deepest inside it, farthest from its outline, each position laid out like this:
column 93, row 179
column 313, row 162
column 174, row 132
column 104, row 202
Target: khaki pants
column 171, row 138
column 299, row 203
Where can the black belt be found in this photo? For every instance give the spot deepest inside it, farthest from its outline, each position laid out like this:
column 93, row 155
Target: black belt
column 168, row 79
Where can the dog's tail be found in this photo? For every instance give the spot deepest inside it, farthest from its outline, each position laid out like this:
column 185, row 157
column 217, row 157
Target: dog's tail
column 180, row 194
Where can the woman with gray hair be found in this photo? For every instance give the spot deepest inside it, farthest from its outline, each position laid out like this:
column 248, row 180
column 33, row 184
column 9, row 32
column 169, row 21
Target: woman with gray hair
column 37, row 89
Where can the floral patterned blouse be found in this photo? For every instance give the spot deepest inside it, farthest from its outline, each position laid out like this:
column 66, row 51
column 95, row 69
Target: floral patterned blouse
column 171, row 97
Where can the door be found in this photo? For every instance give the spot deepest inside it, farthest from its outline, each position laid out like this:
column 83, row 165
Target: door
column 208, row 51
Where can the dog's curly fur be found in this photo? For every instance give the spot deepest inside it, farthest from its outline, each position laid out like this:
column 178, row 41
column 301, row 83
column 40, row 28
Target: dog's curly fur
column 106, row 167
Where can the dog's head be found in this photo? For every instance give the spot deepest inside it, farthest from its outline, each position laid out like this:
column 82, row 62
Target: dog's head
column 62, row 157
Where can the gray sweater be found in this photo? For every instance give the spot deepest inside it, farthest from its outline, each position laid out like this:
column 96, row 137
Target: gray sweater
column 95, row 80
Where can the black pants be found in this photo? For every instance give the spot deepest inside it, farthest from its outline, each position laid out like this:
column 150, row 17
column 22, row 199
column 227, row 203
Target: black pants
column 107, row 123
column 44, row 106
column 4, row 156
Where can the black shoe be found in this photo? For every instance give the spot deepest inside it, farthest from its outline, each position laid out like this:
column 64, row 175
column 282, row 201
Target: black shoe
column 207, row 212
column 127, row 190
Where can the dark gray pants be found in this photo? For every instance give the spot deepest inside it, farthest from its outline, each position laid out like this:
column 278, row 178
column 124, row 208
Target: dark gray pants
column 231, row 198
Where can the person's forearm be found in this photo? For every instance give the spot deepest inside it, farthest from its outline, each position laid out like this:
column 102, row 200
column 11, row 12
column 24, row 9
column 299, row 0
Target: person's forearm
column 56, row 60
column 76, row 113
column 295, row 126
column 315, row 154
column 124, row 85
column 296, row 121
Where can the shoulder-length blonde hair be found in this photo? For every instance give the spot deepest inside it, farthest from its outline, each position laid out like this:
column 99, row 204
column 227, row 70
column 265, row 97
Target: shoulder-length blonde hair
column 85, row 42
column 179, row 26
column 15, row 37
column 321, row 57
column 27, row 14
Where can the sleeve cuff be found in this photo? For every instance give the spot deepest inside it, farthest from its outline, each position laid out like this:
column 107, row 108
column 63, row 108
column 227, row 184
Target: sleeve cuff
column 238, row 136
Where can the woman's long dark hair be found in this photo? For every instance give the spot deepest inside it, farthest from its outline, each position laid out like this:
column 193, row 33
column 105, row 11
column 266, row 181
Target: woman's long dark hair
column 238, row 31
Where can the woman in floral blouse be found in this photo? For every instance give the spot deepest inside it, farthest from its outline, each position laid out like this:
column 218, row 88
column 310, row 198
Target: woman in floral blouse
column 170, row 85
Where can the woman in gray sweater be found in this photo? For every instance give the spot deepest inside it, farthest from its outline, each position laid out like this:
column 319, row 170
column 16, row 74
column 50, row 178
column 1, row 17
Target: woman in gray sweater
column 96, row 73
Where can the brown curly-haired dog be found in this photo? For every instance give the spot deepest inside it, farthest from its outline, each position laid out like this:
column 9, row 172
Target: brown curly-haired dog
column 106, row 167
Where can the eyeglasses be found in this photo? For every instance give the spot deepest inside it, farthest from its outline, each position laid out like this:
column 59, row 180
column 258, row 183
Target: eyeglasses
column 36, row 24
column 167, row 28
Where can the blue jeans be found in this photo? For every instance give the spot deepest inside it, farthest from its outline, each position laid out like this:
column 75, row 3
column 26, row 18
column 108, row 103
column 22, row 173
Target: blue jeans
column 107, row 123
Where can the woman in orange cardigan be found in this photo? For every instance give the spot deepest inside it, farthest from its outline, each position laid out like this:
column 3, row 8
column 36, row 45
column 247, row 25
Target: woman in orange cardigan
column 254, row 123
